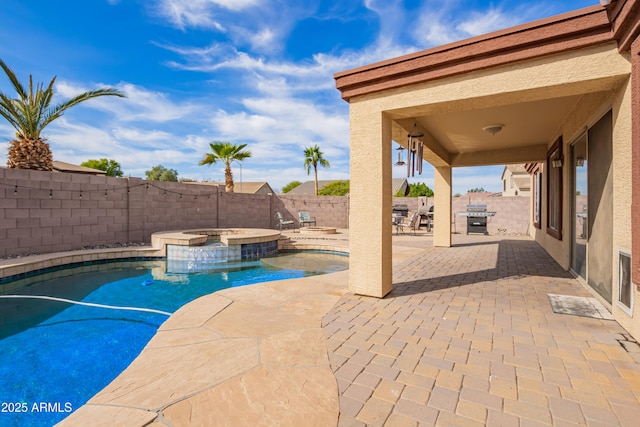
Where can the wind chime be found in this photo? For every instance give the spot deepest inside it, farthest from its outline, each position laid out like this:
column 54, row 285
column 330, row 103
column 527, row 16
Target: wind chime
column 415, row 149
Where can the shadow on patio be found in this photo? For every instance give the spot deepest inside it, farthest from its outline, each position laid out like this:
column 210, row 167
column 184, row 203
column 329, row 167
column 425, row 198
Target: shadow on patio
column 472, row 262
column 468, row 337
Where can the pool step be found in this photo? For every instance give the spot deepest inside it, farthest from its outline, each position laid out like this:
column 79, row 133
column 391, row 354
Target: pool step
column 284, row 242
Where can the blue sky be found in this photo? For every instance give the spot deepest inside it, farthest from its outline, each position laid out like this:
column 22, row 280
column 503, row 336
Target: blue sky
column 258, row 72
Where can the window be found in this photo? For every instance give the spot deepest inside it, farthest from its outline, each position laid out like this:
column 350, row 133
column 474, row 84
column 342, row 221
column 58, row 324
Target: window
column 554, row 164
column 537, row 197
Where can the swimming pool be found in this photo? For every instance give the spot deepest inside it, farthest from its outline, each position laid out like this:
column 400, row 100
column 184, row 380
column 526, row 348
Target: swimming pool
column 55, row 356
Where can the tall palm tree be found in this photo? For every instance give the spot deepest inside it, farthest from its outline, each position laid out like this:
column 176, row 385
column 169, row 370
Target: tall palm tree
column 30, row 113
column 313, row 157
column 226, row 153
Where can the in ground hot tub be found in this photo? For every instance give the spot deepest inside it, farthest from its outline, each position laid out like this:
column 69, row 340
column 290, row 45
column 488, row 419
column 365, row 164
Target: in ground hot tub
column 201, row 250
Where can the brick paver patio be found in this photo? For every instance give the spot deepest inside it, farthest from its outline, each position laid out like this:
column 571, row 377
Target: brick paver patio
column 468, row 338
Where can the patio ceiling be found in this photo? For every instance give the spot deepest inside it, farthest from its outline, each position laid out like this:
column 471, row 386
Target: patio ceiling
column 456, row 137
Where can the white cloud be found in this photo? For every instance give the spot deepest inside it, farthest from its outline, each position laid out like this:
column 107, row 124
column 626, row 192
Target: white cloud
column 4, row 149
column 263, row 39
column 65, row 137
column 199, row 13
column 76, row 143
column 144, row 138
column 261, row 25
column 267, row 75
column 285, row 121
column 393, row 20
column 482, row 23
column 449, row 21
column 140, row 103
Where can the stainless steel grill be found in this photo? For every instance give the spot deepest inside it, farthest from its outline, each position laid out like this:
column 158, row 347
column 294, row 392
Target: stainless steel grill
column 400, row 210
column 477, row 218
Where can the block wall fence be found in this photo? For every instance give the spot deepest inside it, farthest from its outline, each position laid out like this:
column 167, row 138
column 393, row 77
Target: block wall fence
column 43, row 212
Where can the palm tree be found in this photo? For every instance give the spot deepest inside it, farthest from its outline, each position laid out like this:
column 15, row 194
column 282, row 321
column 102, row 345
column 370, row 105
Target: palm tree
column 225, row 152
column 313, row 157
column 30, row 113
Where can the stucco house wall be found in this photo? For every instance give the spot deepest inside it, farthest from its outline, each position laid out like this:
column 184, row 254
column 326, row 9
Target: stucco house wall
column 586, row 113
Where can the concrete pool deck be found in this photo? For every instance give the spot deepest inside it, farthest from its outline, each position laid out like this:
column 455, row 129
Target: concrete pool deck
column 466, row 338
column 253, row 355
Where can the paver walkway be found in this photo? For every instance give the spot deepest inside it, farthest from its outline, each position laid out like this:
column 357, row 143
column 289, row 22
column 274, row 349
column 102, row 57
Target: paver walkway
column 467, row 337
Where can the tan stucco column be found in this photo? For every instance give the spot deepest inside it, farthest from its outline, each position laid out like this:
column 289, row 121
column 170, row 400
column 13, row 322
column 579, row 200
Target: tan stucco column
column 635, row 165
column 370, row 224
column 442, row 206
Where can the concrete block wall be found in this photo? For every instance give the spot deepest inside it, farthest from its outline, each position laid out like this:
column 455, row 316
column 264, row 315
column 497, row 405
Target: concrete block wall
column 245, row 210
column 49, row 212
column 43, row 212
column 159, row 206
column 330, row 211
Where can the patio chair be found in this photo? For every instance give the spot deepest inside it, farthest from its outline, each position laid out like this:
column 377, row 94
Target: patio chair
column 306, row 218
column 282, row 221
column 412, row 225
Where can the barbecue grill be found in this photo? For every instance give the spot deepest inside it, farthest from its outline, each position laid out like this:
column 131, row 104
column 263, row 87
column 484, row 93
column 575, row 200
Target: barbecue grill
column 400, row 210
column 477, row 218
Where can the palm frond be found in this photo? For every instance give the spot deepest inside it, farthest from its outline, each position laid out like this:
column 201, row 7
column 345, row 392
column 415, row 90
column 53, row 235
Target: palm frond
column 14, row 80
column 8, row 111
column 209, row 159
column 31, row 112
column 91, row 94
column 226, row 153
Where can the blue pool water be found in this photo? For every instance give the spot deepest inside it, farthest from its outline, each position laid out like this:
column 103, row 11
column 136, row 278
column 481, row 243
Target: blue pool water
column 55, row 356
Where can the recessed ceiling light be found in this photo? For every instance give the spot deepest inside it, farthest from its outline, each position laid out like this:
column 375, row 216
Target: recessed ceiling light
column 493, row 129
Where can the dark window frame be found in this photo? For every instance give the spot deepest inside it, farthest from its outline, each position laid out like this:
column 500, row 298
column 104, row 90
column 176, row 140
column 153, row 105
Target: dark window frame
column 555, row 186
column 537, row 197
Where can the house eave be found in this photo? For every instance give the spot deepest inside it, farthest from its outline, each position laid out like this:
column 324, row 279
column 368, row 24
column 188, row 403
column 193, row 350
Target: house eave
column 570, row 31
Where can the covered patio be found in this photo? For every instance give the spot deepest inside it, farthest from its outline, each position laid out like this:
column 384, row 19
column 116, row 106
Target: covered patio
column 468, row 337
column 556, row 94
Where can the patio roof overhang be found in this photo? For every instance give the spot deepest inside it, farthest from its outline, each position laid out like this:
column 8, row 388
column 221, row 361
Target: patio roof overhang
column 532, row 116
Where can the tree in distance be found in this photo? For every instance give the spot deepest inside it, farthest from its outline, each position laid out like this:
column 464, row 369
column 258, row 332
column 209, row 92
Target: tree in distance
column 290, row 186
column 110, row 166
column 419, row 189
column 160, row 173
column 314, row 157
column 476, row 190
column 226, row 153
column 337, row 188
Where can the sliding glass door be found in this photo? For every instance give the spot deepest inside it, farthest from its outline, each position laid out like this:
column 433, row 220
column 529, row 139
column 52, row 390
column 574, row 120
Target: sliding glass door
column 580, row 215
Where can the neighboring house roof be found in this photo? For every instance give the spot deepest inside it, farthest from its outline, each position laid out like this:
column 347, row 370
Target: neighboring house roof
column 482, row 194
column 68, row 167
column 398, row 184
column 520, row 177
column 523, row 183
column 517, row 169
column 308, row 187
column 262, row 187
